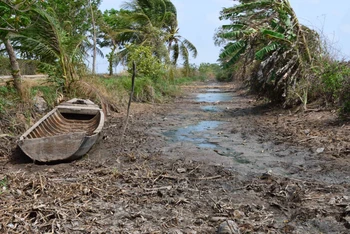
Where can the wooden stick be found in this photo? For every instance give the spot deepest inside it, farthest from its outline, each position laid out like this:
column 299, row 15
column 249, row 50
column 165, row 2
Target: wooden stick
column 131, row 95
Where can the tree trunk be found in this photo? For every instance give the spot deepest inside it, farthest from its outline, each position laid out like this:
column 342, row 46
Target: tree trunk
column 94, row 40
column 111, row 60
column 15, row 71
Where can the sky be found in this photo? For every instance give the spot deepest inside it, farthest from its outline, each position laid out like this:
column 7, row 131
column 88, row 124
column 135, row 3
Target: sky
column 198, row 20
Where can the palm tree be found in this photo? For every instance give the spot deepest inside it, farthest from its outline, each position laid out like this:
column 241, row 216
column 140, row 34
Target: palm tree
column 149, row 18
column 13, row 18
column 62, row 53
column 179, row 46
column 117, row 31
column 150, row 23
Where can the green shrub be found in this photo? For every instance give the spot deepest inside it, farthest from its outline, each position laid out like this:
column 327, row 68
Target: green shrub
column 333, row 78
column 224, row 76
column 209, row 70
column 344, row 98
column 8, row 98
column 49, row 93
column 146, row 64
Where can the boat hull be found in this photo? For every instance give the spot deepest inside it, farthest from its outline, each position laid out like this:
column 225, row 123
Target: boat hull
column 66, row 133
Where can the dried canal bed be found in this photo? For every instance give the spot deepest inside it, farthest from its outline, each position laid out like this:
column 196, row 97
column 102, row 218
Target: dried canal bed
column 185, row 167
column 216, row 127
column 215, row 137
column 223, row 135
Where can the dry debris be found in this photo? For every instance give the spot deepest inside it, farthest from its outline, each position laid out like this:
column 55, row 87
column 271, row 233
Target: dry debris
column 135, row 189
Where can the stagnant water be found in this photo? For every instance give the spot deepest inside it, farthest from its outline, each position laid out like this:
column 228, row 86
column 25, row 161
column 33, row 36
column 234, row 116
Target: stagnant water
column 204, row 134
column 250, row 154
column 214, row 97
column 198, row 134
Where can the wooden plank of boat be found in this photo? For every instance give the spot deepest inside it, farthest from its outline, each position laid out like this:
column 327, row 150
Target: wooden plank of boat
column 65, row 133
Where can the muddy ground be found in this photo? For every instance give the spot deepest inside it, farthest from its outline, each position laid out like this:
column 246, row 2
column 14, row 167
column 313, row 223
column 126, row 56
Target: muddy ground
column 187, row 166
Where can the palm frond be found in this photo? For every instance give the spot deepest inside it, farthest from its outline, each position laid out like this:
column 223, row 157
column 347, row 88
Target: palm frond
column 184, row 53
column 190, row 47
column 175, row 53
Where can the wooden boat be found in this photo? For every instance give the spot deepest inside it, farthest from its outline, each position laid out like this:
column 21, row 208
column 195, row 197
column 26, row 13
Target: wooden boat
column 65, row 133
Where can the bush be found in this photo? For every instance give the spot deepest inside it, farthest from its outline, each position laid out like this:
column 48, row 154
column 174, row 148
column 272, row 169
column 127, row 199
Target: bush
column 333, row 77
column 224, row 76
column 209, row 70
column 344, row 97
column 8, row 98
column 49, row 93
column 146, row 64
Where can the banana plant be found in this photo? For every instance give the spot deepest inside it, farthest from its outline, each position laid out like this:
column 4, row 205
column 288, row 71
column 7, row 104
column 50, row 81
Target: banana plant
column 267, row 31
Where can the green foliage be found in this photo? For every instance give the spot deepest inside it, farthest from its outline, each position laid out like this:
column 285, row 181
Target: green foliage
column 75, row 17
column 49, row 93
column 268, row 31
column 335, row 84
column 209, row 70
column 179, row 46
column 224, row 76
column 345, row 103
column 261, row 54
column 151, row 23
column 146, row 89
column 5, row 68
column 146, row 64
column 61, row 54
column 14, row 16
column 190, row 70
column 333, row 77
column 149, row 20
column 8, row 98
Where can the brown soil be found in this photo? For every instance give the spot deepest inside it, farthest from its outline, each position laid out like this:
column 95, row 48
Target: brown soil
column 187, row 166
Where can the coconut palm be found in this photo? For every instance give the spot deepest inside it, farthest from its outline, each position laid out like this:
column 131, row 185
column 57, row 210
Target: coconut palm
column 13, row 18
column 149, row 18
column 117, row 31
column 45, row 39
column 179, row 46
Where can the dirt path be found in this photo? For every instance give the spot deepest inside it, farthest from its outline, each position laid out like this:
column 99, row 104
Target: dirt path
column 186, row 167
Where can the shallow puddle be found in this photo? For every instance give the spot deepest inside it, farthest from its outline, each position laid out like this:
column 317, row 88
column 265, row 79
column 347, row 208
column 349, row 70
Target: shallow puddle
column 214, row 97
column 197, row 134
